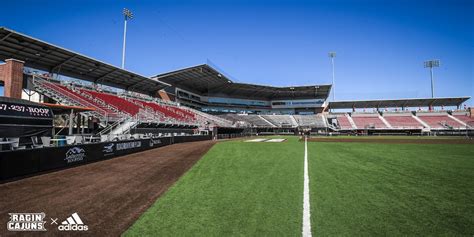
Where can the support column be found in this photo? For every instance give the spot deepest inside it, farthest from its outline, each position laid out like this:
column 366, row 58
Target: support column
column 78, row 123
column 71, row 122
column 13, row 78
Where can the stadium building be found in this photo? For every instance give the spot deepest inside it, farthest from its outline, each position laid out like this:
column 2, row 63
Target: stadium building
column 66, row 100
column 204, row 88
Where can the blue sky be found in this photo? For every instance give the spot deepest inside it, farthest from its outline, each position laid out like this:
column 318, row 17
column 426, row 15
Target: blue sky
column 380, row 45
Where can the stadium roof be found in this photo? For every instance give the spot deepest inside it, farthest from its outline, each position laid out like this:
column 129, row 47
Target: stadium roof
column 40, row 55
column 422, row 102
column 207, row 81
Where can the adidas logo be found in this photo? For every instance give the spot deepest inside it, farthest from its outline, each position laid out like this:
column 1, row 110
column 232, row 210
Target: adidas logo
column 73, row 223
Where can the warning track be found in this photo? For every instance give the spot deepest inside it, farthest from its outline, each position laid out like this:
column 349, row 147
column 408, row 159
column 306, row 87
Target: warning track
column 108, row 195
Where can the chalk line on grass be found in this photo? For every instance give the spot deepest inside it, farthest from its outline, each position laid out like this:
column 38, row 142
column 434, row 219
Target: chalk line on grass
column 306, row 207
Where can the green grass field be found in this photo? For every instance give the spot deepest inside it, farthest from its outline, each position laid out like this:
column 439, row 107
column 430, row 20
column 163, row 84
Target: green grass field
column 256, row 189
column 394, row 189
column 394, row 137
column 238, row 188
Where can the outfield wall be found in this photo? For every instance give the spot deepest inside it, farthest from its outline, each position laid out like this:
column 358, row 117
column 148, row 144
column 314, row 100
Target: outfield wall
column 16, row 164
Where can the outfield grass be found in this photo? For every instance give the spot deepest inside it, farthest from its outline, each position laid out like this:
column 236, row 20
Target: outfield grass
column 362, row 189
column 381, row 189
column 237, row 188
column 391, row 137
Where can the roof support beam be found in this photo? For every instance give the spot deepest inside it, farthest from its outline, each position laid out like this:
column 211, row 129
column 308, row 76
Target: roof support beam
column 6, row 36
column 63, row 62
column 104, row 76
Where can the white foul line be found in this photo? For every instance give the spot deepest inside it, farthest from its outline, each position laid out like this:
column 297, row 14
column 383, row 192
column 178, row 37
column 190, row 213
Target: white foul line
column 306, row 209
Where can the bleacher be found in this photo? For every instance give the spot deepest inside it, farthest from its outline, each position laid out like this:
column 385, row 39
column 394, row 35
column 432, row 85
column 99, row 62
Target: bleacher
column 402, row 121
column 65, row 95
column 113, row 107
column 368, row 121
column 207, row 119
column 317, row 121
column 343, row 122
column 465, row 118
column 439, row 121
column 117, row 107
column 102, row 98
column 280, row 120
column 249, row 120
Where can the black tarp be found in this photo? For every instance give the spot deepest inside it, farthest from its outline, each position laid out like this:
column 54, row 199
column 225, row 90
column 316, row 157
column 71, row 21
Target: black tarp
column 23, row 119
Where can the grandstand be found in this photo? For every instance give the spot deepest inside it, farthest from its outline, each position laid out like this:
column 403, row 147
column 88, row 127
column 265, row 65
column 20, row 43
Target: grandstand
column 439, row 121
column 316, row 121
column 280, row 120
column 197, row 99
column 403, row 121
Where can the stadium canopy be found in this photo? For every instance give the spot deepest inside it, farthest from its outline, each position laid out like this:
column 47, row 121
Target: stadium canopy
column 40, row 55
column 207, row 81
column 400, row 103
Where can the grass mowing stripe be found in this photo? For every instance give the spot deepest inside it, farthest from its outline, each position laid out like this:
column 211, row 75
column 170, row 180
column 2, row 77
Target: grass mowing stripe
column 392, row 189
column 237, row 188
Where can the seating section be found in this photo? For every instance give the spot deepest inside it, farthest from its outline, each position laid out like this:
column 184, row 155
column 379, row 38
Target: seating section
column 368, row 122
column 249, row 120
column 166, row 110
column 114, row 107
column 310, row 120
column 109, row 104
column 280, row 120
column 403, row 121
column 205, row 119
column 78, row 98
column 343, row 122
column 466, row 119
column 440, row 121
column 120, row 103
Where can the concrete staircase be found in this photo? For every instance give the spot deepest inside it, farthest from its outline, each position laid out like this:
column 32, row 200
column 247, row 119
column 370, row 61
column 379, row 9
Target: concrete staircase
column 293, row 121
column 457, row 120
column 269, row 123
column 354, row 126
column 421, row 121
column 125, row 127
column 385, row 121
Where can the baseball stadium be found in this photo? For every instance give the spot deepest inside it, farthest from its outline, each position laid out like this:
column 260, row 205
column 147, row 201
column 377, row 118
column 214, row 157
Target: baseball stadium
column 89, row 148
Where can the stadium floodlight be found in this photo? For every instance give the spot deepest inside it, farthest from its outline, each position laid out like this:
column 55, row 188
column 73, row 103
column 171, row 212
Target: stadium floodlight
column 332, row 55
column 431, row 64
column 128, row 15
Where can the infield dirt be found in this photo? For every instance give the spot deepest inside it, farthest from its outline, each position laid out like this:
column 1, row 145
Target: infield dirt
column 108, row 195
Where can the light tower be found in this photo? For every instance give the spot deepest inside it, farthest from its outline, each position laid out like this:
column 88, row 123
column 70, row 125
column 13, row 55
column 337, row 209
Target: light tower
column 128, row 16
column 431, row 64
column 332, row 55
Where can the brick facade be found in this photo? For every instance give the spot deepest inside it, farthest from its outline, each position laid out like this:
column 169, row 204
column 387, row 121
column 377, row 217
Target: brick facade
column 12, row 76
column 1, row 71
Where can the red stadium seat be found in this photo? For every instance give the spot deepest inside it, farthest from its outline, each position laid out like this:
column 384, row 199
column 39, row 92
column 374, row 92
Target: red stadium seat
column 440, row 121
column 344, row 122
column 401, row 121
column 368, row 121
